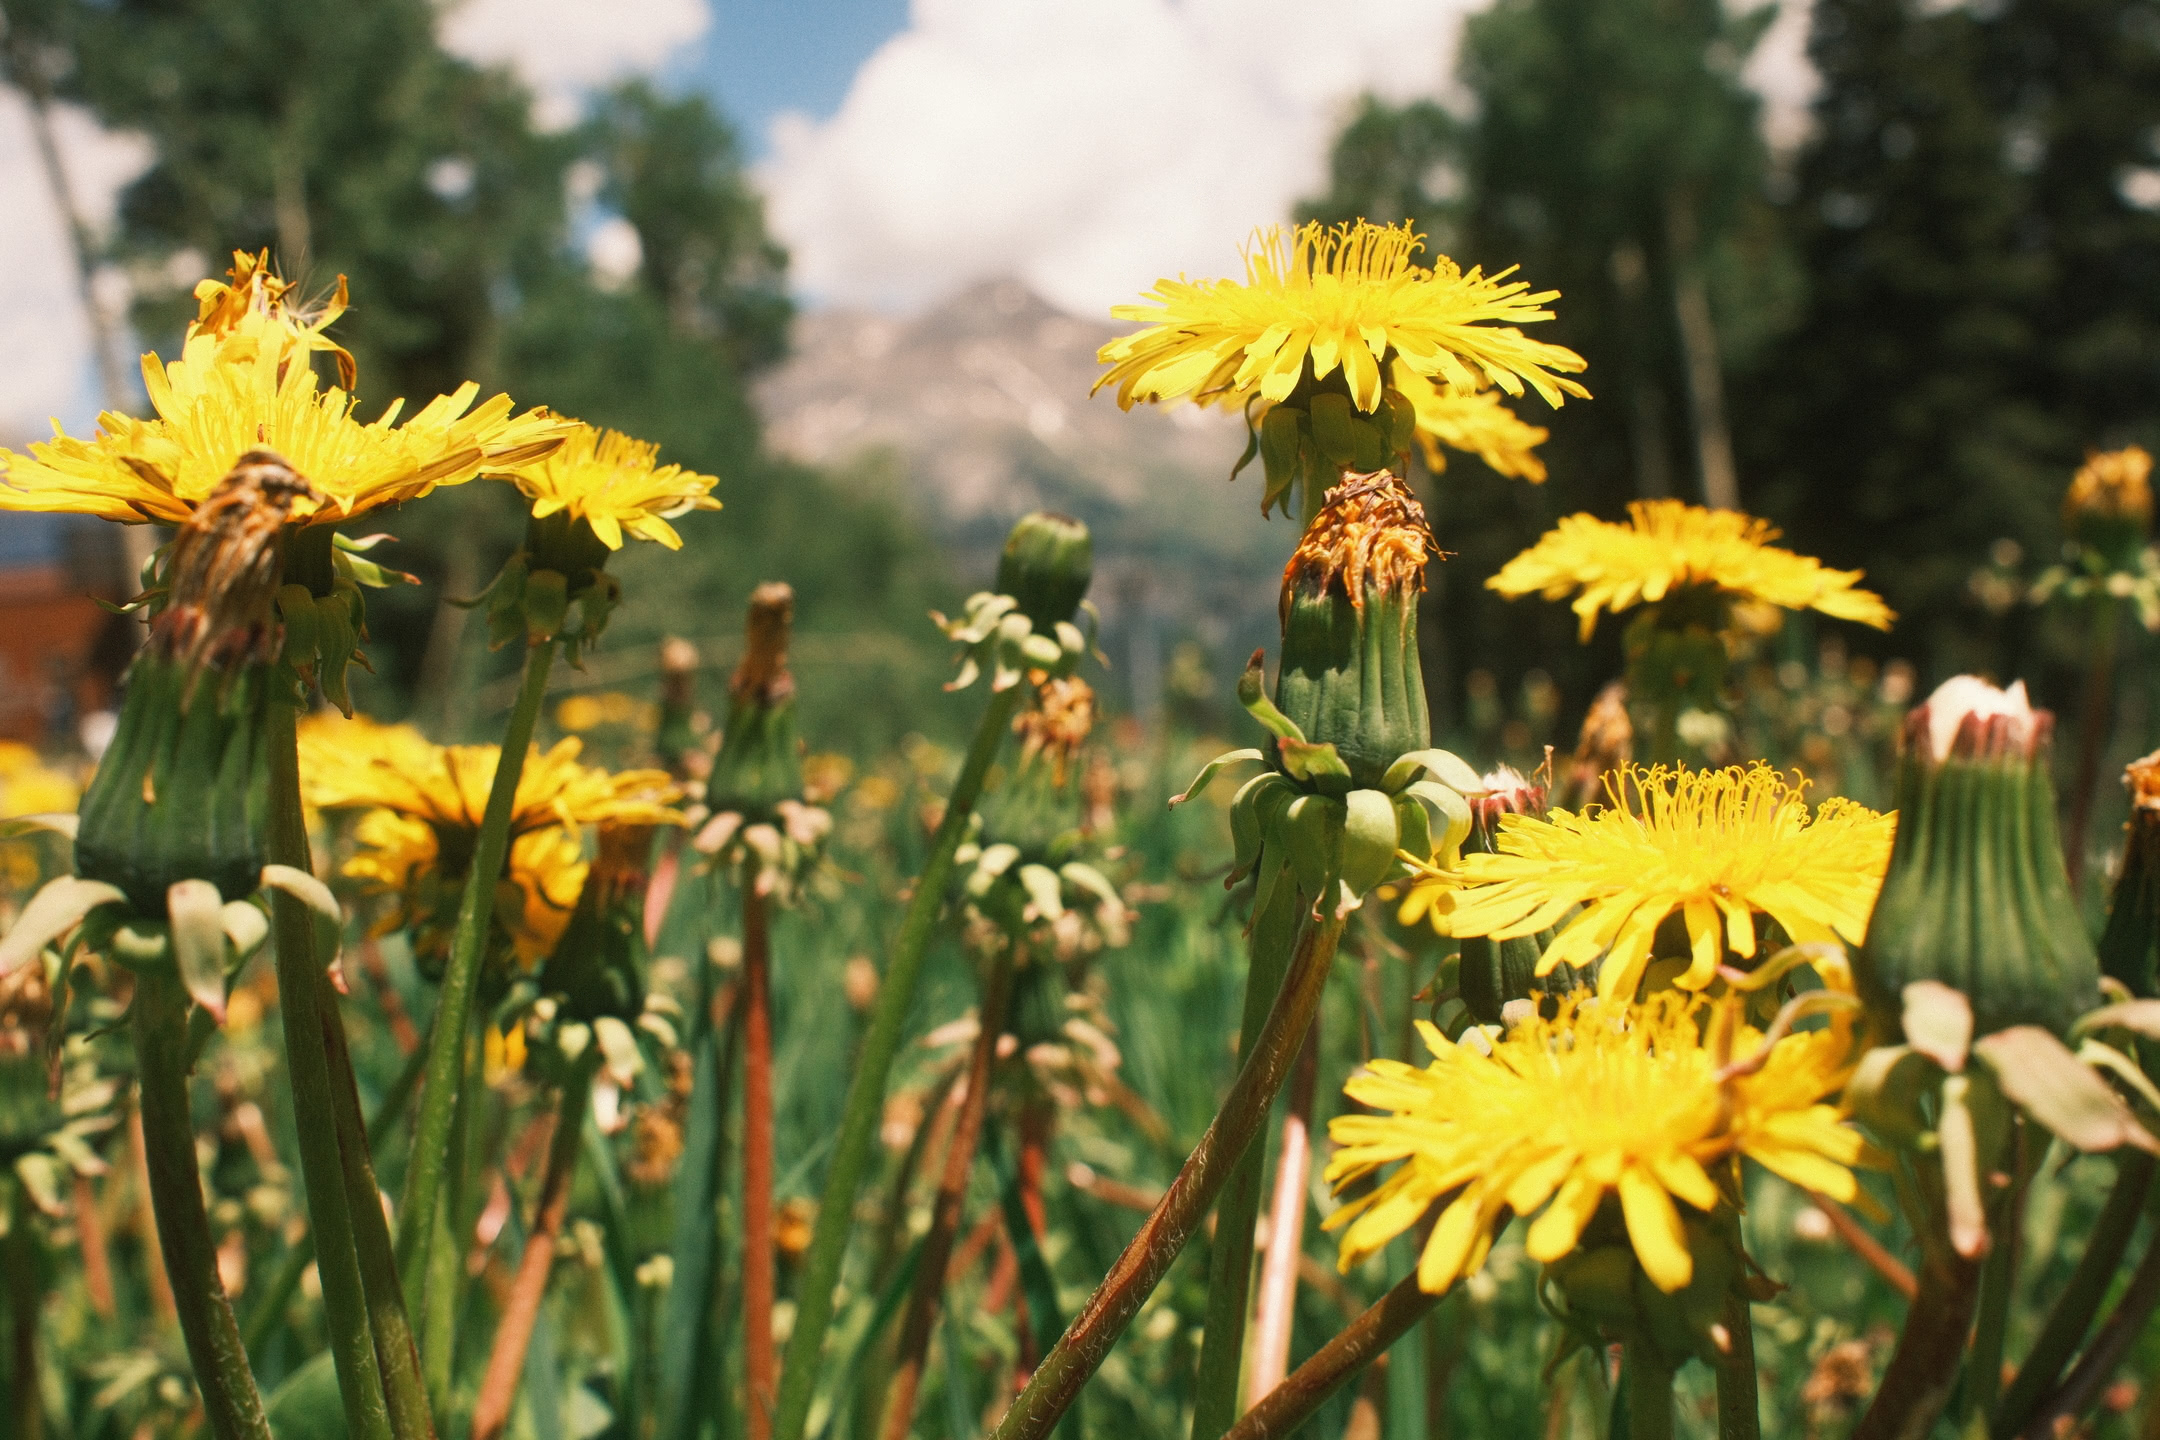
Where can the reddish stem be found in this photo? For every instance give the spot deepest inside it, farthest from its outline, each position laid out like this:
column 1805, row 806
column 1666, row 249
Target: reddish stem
column 922, row 1307
column 1867, row 1247
column 521, row 1307
column 96, row 1258
column 760, row 1362
column 1286, row 1232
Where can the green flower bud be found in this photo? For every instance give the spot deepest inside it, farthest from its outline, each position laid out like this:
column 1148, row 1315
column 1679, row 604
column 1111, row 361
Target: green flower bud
column 1604, row 1295
column 1047, row 564
column 1350, row 675
column 1976, row 896
column 760, row 760
column 678, row 734
column 2130, row 946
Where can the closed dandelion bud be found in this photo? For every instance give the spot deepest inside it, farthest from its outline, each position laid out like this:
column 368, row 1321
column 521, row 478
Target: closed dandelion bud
column 2130, row 946
column 2109, row 506
column 1046, row 566
column 598, row 966
column 760, row 760
column 677, row 736
column 1350, row 675
column 1976, row 896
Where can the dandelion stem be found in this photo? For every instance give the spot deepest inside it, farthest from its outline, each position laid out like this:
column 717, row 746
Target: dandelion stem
column 2095, row 720
column 1917, row 1385
column 206, row 1319
column 322, row 1165
column 1287, row 1406
column 2107, row 1351
column 1222, row 1348
column 513, row 1336
column 1648, row 1387
column 453, row 1006
column 2072, row 1315
column 922, row 1308
column 1739, row 1403
column 757, row 1222
column 1057, row 1381
column 26, row 1298
column 873, row 1064
column 698, row 1183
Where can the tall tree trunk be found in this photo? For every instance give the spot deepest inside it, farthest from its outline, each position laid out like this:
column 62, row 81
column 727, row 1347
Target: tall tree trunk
column 1699, row 346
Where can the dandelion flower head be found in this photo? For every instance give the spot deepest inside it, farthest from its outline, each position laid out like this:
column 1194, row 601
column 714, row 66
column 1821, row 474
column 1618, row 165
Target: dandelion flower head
column 615, row 483
column 242, row 384
column 1475, row 423
column 1669, row 545
column 1345, row 297
column 1603, row 1099
column 1717, row 846
column 2113, row 484
column 253, row 298
column 400, row 857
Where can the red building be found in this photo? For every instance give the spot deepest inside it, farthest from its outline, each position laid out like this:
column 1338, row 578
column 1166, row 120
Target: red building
column 61, row 653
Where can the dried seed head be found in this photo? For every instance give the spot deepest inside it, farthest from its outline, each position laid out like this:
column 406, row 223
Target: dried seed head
column 1370, row 534
column 1058, row 723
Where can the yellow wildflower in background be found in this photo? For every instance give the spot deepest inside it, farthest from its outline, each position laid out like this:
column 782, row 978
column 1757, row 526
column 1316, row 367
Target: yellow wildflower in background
column 1668, row 545
column 1715, row 845
column 1604, row 1099
column 361, row 765
column 28, row 786
column 222, row 399
column 1344, row 296
column 1476, row 424
column 614, row 483
column 400, row 857
column 2111, row 484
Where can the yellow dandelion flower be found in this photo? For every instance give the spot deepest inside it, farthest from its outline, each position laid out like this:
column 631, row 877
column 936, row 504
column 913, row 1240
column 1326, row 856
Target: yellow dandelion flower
column 1347, row 297
column 613, row 483
column 28, row 786
column 358, row 764
column 220, row 400
column 2111, row 485
column 1475, row 423
column 400, row 858
column 1602, row 1100
column 1715, row 845
column 1668, row 545
column 252, row 298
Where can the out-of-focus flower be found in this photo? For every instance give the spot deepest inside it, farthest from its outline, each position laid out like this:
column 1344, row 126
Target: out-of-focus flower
column 1601, row 1100
column 1669, row 546
column 1715, row 845
column 1474, row 422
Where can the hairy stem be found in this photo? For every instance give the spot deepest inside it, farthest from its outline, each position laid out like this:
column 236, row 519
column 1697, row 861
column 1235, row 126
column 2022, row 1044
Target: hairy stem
column 513, row 1334
column 1222, row 1346
column 322, row 1163
column 757, row 1222
column 922, row 1308
column 453, row 1006
column 873, row 1065
column 1283, row 1409
column 206, row 1319
column 1057, row 1381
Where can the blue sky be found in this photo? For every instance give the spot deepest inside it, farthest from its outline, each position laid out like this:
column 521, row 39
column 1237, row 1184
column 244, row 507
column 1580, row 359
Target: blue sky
column 760, row 59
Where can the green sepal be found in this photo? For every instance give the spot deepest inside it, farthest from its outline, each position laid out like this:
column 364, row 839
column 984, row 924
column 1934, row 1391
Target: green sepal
column 1400, row 417
column 1414, row 826
column 1887, row 1092
column 303, row 629
column 339, row 645
column 1319, row 764
column 1252, row 440
column 1245, row 828
column 1445, row 766
column 1453, row 808
column 1209, row 771
column 506, row 603
column 1334, row 428
column 1371, row 836
column 546, row 605
column 1312, row 831
column 1281, row 443
column 1252, row 694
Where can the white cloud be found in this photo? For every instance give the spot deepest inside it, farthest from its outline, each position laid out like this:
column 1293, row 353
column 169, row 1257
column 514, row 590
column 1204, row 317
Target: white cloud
column 1088, row 148
column 45, row 354
column 562, row 48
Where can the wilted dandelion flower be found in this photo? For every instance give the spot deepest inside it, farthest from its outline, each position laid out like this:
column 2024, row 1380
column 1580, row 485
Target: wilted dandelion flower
column 253, row 298
column 241, row 385
column 1604, row 1099
column 614, row 483
column 1668, row 546
column 1715, row 845
column 1476, row 423
column 1344, row 296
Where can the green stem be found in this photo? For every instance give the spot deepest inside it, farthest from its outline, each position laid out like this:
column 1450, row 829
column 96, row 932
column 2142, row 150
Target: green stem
column 269, row 1309
column 696, row 1247
column 446, row 1264
column 322, row 1166
column 453, row 1006
column 1222, row 1348
column 1147, row 1257
column 1998, row 1277
column 1738, row 1402
column 1649, row 1395
column 2074, row 1310
column 759, row 1364
column 866, row 1087
column 2094, row 722
column 396, row 1354
column 26, row 1298
column 206, row 1319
